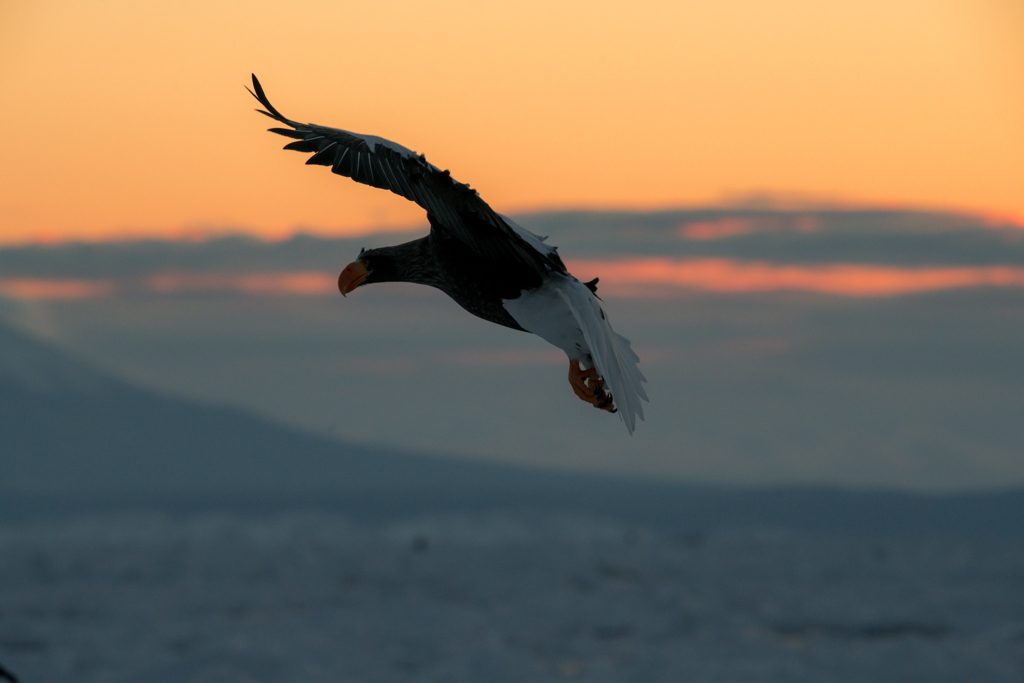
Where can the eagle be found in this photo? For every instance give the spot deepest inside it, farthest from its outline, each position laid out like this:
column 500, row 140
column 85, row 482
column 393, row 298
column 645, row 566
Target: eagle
column 486, row 262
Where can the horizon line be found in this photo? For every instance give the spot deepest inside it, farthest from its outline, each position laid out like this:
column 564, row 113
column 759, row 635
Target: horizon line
column 747, row 204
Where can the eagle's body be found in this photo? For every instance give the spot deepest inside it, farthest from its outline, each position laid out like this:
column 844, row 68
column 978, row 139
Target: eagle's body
column 485, row 262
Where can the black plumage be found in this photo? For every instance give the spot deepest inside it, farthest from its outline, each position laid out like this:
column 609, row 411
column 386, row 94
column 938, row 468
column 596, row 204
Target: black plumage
column 490, row 266
column 478, row 285
column 471, row 253
column 453, row 207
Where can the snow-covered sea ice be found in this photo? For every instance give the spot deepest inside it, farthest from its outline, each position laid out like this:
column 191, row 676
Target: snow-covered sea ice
column 315, row 597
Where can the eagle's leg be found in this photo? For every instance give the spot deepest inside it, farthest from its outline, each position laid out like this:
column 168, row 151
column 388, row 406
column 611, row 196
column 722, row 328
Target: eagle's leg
column 589, row 387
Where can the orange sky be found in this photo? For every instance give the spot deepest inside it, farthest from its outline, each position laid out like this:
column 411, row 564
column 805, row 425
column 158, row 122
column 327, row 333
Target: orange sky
column 123, row 118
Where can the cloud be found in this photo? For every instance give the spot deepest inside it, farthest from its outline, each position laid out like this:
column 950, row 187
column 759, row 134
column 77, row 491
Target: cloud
column 660, row 276
column 888, row 237
column 730, row 226
column 34, row 289
column 260, row 284
column 649, row 277
column 841, row 252
column 897, row 362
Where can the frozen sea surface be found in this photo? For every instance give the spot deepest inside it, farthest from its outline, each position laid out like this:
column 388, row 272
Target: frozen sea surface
column 314, row 597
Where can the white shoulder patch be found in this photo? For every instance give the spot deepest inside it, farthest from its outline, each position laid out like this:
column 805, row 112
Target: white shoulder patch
column 535, row 241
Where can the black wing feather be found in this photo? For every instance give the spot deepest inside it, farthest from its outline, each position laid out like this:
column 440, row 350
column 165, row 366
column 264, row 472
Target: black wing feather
column 307, row 145
column 452, row 206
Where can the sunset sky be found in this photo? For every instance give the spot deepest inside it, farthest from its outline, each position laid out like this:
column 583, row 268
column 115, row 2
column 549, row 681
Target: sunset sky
column 124, row 119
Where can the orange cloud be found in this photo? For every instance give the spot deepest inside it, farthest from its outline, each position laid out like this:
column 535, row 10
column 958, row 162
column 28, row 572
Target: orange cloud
column 272, row 284
column 53, row 289
column 643, row 277
column 653, row 276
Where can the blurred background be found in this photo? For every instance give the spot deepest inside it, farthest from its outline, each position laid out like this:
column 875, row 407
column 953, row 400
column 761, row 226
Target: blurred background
column 807, row 217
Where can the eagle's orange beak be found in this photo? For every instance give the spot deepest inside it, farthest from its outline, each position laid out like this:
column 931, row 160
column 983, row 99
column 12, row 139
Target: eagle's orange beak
column 354, row 275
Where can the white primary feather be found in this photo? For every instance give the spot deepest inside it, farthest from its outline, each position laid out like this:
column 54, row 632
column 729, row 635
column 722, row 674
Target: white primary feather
column 567, row 314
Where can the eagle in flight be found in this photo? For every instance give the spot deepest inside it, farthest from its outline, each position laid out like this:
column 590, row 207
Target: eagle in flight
column 491, row 266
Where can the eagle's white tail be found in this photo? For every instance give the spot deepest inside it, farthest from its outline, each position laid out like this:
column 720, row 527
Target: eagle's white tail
column 613, row 357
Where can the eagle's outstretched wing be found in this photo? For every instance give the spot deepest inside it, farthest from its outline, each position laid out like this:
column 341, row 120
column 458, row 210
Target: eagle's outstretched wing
column 452, row 206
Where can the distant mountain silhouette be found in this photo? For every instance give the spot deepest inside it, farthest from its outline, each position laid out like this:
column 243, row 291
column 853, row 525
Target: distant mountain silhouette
column 74, row 438
column 69, row 430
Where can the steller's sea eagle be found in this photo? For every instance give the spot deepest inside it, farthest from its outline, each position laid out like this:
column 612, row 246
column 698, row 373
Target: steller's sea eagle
column 492, row 267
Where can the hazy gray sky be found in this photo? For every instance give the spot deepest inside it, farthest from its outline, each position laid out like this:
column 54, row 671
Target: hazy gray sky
column 841, row 347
